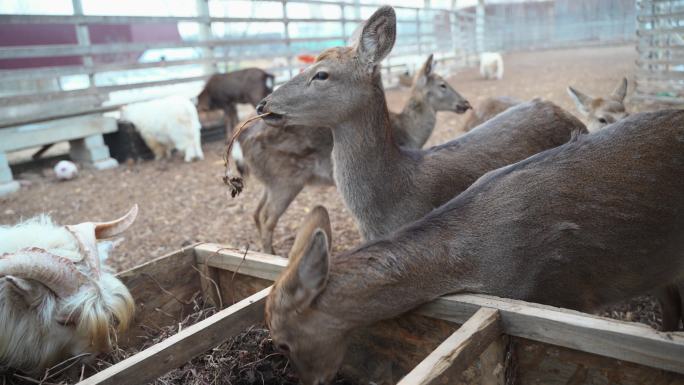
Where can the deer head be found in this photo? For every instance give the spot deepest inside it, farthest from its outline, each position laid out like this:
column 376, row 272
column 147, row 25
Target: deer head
column 340, row 83
column 601, row 111
column 438, row 94
column 313, row 340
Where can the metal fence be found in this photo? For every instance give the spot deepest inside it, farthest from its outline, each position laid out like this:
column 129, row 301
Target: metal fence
column 660, row 65
column 105, row 73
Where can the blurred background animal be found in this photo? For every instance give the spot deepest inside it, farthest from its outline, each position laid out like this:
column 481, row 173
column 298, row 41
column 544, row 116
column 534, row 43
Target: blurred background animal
column 491, row 65
column 224, row 91
column 167, row 124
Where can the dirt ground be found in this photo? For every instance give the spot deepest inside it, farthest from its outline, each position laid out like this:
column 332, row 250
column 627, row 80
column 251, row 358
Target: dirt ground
column 182, row 203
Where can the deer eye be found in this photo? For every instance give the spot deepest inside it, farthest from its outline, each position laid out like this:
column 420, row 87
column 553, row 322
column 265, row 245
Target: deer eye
column 603, row 121
column 443, row 86
column 321, row 75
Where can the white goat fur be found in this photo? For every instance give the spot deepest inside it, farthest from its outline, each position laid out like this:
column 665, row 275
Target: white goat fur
column 167, row 123
column 491, row 65
column 31, row 338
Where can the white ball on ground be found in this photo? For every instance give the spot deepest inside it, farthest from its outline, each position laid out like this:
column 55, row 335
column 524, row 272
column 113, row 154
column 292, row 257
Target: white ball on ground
column 66, row 170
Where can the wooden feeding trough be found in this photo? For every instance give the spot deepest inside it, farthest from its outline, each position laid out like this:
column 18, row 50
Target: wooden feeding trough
column 457, row 339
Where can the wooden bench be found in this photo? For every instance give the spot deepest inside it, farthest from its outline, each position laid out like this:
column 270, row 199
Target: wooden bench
column 84, row 134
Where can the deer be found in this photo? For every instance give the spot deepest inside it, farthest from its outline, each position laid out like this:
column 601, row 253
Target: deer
column 599, row 111
column 384, row 185
column 580, row 226
column 286, row 160
column 223, row 91
column 488, row 109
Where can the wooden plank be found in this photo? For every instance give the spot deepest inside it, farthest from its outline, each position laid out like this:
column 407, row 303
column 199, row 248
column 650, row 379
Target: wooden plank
column 255, row 264
column 457, row 352
column 234, row 287
column 621, row 340
column 162, row 290
column 537, row 363
column 383, row 353
column 493, row 362
column 38, row 134
column 182, row 347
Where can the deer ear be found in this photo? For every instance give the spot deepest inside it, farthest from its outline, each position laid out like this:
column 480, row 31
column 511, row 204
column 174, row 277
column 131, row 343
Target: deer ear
column 378, row 36
column 620, row 91
column 582, row 101
column 310, row 273
column 317, row 219
column 425, row 71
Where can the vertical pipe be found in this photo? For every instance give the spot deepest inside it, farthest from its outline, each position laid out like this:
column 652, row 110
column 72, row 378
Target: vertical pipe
column 480, row 26
column 83, row 38
column 288, row 44
column 206, row 34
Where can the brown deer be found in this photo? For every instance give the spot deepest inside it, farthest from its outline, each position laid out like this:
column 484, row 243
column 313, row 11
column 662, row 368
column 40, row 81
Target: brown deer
column 223, row 91
column 386, row 186
column 488, row 109
column 580, row 226
column 286, row 160
column 601, row 111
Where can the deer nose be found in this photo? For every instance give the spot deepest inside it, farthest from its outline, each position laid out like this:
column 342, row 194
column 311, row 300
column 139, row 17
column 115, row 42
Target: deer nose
column 260, row 107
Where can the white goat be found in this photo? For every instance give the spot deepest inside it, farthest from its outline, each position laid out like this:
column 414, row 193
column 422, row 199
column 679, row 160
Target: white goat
column 56, row 301
column 491, row 65
column 165, row 124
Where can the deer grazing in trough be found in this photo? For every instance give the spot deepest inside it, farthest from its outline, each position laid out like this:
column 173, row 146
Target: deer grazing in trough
column 286, row 160
column 223, row 91
column 384, row 185
column 601, row 111
column 57, row 300
column 581, row 226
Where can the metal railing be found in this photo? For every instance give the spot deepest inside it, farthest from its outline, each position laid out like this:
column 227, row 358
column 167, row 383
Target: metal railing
column 421, row 31
column 111, row 74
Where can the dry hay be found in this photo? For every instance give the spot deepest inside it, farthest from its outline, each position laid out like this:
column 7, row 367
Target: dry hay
column 246, row 359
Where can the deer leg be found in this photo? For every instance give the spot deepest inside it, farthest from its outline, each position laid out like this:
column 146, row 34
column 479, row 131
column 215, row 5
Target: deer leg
column 259, row 208
column 670, row 304
column 231, row 119
column 274, row 207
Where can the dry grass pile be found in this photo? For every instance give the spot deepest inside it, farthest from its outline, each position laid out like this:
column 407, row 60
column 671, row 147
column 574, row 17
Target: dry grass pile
column 246, row 359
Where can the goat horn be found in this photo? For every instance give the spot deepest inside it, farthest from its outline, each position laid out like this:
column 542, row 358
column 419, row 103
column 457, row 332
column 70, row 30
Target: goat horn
column 117, row 226
column 57, row 273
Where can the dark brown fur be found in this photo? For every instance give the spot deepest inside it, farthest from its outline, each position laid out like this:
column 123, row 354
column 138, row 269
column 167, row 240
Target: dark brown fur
column 223, row 91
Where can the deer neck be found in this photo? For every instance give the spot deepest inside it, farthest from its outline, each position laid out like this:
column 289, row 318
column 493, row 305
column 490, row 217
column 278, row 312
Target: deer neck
column 418, row 119
column 368, row 166
column 387, row 278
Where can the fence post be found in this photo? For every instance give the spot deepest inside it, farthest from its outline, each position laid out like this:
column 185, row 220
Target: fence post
column 480, row 26
column 420, row 45
column 205, row 34
column 83, row 38
column 288, row 43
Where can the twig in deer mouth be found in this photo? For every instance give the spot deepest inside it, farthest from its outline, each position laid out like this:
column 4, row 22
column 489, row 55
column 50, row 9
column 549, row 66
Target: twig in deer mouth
column 231, row 178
